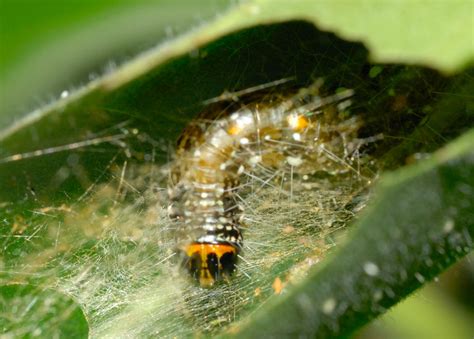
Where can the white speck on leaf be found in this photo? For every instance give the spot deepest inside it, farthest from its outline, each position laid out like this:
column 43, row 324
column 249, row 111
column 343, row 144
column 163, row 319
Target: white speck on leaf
column 419, row 277
column 377, row 295
column 329, row 305
column 371, row 269
column 448, row 225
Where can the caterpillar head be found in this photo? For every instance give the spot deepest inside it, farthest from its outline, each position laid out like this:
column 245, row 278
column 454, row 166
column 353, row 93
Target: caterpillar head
column 210, row 262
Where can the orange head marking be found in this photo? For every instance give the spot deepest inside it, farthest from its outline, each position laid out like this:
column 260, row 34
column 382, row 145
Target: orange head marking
column 210, row 262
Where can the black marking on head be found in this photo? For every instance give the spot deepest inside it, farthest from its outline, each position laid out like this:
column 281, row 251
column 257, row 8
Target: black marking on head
column 213, row 265
column 194, row 265
column 228, row 262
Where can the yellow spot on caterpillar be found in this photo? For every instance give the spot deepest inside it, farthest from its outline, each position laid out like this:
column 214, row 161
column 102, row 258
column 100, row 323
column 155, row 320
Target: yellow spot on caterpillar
column 297, row 122
column 234, row 129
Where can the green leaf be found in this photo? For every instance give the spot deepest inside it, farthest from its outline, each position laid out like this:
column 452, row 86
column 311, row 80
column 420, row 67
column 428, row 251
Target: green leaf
column 419, row 224
column 28, row 311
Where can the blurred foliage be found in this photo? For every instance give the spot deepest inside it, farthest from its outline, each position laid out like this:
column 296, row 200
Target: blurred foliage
column 441, row 309
column 50, row 314
column 78, row 41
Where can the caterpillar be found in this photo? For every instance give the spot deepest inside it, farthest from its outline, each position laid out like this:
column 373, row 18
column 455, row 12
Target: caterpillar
column 302, row 132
